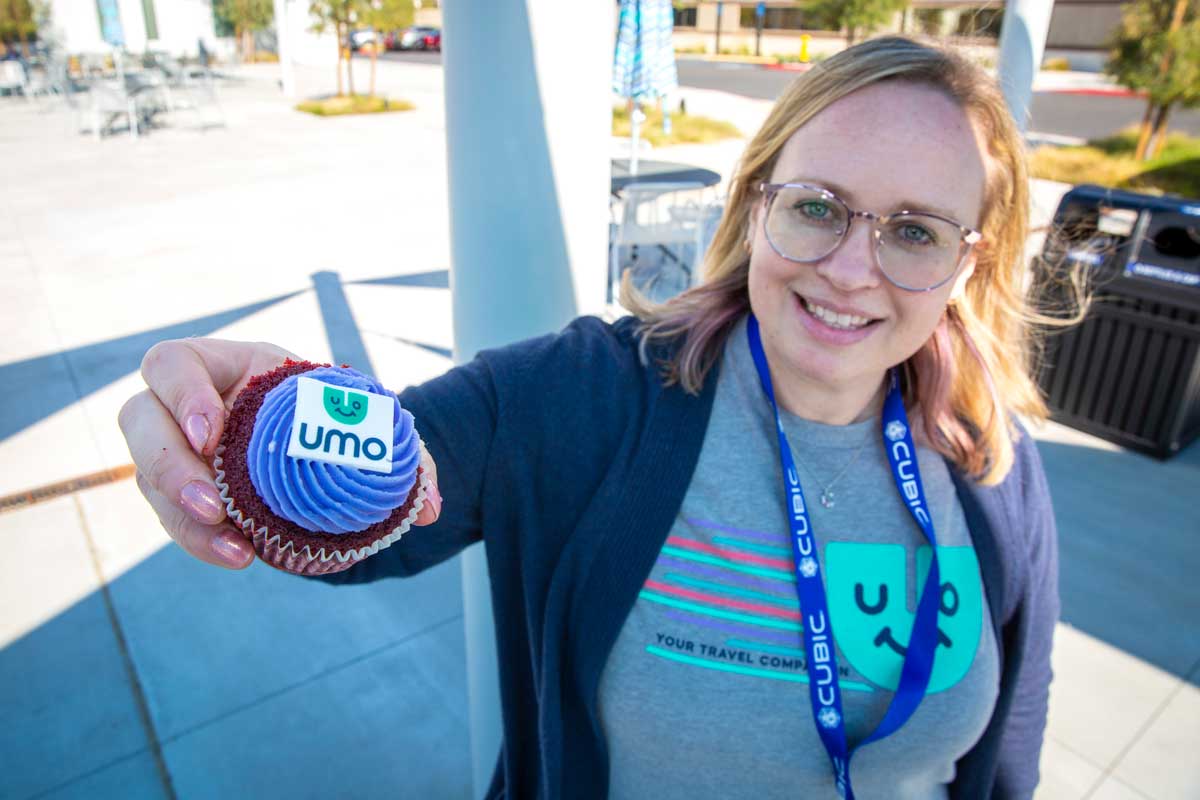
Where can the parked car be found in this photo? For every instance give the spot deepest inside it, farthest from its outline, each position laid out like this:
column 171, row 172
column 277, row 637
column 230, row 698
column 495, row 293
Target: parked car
column 361, row 38
column 432, row 40
column 418, row 37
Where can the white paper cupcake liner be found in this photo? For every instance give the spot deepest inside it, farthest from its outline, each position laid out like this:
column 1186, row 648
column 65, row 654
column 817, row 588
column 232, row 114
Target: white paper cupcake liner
column 277, row 552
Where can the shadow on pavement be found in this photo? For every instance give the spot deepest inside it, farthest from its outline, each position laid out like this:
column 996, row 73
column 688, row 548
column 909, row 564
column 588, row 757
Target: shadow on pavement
column 37, row 388
column 1129, row 540
column 217, row 680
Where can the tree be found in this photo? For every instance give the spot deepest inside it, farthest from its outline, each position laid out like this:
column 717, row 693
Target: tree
column 17, row 22
column 337, row 15
column 857, row 16
column 246, row 17
column 382, row 16
column 1156, row 49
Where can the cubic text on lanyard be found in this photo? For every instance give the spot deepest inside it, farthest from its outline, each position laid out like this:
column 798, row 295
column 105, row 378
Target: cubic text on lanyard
column 823, row 689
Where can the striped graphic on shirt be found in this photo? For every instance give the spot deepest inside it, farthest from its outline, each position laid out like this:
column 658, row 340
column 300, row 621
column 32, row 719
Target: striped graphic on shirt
column 738, row 585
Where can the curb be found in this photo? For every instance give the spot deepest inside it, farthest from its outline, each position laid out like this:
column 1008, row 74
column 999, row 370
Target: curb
column 789, row 67
column 1114, row 91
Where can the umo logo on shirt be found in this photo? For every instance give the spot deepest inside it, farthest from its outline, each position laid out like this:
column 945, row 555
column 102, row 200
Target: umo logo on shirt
column 869, row 597
column 342, row 426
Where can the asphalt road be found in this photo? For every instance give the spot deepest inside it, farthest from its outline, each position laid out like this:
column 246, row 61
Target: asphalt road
column 1084, row 116
column 411, row 56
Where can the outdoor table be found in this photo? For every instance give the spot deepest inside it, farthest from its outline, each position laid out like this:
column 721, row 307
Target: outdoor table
column 663, row 237
column 659, row 172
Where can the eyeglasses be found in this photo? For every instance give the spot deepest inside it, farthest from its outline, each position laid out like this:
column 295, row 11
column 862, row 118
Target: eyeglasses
column 914, row 250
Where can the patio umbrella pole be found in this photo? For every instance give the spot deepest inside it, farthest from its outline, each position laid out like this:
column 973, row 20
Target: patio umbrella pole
column 635, row 124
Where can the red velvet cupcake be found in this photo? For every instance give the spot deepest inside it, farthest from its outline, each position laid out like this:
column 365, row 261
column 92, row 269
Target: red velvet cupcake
column 302, row 512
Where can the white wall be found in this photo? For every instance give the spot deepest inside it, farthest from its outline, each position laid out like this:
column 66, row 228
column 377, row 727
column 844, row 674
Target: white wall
column 303, row 46
column 180, row 24
column 77, row 25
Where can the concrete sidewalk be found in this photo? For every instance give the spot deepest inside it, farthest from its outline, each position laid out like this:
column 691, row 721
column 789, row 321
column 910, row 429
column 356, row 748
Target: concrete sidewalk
column 129, row 670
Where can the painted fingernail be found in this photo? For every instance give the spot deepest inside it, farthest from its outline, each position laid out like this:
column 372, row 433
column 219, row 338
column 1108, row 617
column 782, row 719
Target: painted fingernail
column 202, row 502
column 197, row 430
column 435, row 499
column 230, row 548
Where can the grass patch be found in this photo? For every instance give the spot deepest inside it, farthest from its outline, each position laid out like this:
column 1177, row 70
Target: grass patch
column 352, row 104
column 1110, row 162
column 685, row 128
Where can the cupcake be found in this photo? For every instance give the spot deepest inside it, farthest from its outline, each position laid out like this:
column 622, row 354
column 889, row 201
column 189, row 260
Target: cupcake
column 320, row 466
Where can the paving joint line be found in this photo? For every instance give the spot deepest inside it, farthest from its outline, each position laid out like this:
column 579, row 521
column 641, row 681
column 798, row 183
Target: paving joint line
column 1107, row 772
column 83, row 775
column 70, row 486
column 322, row 674
column 135, row 683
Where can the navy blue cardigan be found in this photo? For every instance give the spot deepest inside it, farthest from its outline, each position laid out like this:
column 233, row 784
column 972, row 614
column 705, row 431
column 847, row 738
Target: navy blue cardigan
column 571, row 459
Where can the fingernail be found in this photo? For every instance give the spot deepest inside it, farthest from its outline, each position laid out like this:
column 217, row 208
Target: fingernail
column 435, row 498
column 197, row 430
column 202, row 502
column 230, row 548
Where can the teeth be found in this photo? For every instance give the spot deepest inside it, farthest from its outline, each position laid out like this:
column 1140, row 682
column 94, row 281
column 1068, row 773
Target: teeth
column 833, row 319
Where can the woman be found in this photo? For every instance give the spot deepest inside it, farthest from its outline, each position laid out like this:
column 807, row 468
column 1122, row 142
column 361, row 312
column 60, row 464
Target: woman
column 693, row 522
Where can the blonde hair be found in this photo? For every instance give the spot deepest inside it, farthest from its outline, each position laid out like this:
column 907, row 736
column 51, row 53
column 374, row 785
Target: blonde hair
column 974, row 373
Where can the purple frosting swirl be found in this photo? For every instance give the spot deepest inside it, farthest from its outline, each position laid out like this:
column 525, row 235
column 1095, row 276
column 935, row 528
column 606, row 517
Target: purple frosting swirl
column 323, row 497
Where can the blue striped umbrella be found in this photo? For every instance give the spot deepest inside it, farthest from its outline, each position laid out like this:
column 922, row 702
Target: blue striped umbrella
column 644, row 61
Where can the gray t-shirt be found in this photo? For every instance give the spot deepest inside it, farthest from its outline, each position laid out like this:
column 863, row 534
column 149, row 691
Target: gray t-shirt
column 705, row 692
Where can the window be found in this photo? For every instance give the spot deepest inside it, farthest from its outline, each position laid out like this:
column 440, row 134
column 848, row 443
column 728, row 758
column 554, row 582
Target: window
column 685, row 17
column 928, row 21
column 110, row 22
column 150, row 18
column 781, row 19
column 981, row 22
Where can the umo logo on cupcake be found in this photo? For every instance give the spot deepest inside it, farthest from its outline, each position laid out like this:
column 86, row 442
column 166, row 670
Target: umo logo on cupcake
column 342, row 426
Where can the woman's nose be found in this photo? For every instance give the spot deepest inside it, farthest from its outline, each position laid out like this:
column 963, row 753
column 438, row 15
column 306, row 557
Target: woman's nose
column 851, row 265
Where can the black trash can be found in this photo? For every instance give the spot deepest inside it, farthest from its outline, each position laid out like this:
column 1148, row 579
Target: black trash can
column 1130, row 372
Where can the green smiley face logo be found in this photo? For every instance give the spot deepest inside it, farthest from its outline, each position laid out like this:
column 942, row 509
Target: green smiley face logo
column 348, row 408
column 867, row 586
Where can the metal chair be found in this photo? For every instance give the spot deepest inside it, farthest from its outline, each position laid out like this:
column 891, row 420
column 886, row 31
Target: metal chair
column 188, row 87
column 13, row 78
column 659, row 233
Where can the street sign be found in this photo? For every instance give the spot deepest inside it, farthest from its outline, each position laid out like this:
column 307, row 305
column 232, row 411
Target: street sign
column 760, row 10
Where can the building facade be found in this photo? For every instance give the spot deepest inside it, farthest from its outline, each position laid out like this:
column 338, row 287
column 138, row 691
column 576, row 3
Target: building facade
column 92, row 26
column 1078, row 28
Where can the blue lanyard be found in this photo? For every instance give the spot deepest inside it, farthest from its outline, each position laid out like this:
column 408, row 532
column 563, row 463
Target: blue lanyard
column 823, row 689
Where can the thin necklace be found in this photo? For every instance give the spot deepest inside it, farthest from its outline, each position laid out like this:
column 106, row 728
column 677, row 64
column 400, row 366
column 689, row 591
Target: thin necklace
column 827, row 495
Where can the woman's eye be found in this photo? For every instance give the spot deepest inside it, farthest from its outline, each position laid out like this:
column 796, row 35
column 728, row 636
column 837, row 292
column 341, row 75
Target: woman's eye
column 912, row 233
column 814, row 209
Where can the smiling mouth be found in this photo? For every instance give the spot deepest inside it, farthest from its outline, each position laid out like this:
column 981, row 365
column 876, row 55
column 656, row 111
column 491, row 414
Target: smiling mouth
column 885, row 637
column 350, row 414
column 841, row 322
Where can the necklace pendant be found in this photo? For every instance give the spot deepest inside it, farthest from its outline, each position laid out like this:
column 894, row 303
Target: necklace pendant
column 827, row 498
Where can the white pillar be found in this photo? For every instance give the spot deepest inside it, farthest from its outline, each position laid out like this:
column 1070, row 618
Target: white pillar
column 528, row 121
column 1022, row 44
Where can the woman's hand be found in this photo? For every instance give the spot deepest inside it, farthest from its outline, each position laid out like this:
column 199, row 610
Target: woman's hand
column 173, row 427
